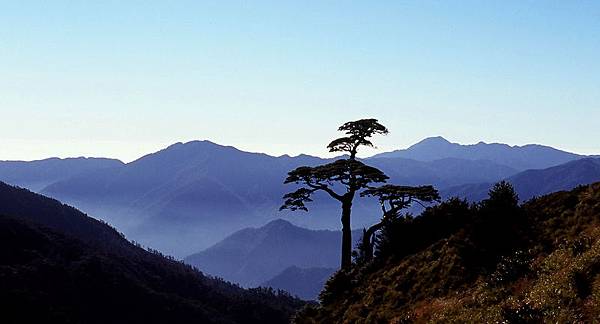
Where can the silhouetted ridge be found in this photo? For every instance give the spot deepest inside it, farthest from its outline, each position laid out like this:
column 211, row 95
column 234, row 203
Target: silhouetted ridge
column 58, row 265
column 59, row 217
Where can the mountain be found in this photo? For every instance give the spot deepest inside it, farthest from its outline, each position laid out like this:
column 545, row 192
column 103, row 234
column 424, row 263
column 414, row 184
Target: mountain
column 522, row 158
column 59, row 265
column 36, row 175
column 441, row 173
column 254, row 255
column 304, row 283
column 498, row 262
column 533, row 183
column 190, row 196
column 185, row 197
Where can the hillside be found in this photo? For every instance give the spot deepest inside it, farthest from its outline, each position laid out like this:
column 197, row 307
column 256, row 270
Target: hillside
column 36, row 175
column 58, row 265
column 254, row 255
column 492, row 262
column 518, row 157
column 532, row 183
column 190, row 196
column 304, row 283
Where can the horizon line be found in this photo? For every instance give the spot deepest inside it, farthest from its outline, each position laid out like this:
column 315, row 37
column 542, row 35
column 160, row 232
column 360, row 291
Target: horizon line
column 164, row 147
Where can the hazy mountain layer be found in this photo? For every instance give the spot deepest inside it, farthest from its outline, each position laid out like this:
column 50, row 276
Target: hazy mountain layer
column 36, row 175
column 188, row 196
column 518, row 157
column 254, row 255
column 533, row 183
column 304, row 283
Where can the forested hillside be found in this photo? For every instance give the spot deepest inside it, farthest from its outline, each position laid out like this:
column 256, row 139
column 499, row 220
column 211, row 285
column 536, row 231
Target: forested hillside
column 493, row 262
column 59, row 265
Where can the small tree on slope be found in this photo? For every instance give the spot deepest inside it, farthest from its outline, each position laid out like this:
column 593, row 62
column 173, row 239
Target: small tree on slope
column 393, row 199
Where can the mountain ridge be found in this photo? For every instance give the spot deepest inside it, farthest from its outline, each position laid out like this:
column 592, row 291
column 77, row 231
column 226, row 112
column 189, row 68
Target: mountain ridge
column 37, row 174
column 305, row 283
column 531, row 183
column 529, row 156
column 189, row 196
column 252, row 256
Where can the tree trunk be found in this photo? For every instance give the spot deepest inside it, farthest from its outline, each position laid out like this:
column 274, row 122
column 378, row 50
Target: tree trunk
column 367, row 240
column 346, row 235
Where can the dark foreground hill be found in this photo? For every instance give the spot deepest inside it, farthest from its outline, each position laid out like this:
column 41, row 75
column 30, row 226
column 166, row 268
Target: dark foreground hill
column 494, row 262
column 59, row 266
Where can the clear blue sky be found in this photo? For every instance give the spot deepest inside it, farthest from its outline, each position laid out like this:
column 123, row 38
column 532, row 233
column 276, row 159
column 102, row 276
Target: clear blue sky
column 123, row 78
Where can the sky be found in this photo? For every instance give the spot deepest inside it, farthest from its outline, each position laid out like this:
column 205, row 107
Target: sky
column 125, row 78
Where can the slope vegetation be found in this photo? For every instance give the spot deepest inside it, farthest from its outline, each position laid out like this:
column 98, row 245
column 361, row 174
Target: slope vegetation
column 495, row 262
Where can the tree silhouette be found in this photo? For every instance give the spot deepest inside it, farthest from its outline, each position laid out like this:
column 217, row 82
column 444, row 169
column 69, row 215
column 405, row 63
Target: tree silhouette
column 351, row 174
column 358, row 132
column 393, row 199
column 502, row 197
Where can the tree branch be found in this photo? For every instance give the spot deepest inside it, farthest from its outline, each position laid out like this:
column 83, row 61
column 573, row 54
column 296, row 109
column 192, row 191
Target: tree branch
column 326, row 189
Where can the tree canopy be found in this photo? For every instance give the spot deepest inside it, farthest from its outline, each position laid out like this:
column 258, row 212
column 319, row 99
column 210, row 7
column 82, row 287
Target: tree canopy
column 393, row 199
column 358, row 132
column 354, row 175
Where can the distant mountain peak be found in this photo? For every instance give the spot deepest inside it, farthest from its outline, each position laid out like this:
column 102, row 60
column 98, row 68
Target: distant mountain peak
column 278, row 224
column 194, row 143
column 434, row 140
column 186, row 151
column 278, row 221
column 532, row 156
